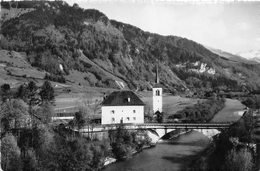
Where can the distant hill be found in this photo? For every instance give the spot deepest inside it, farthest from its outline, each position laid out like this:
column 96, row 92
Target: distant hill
column 82, row 47
column 229, row 56
column 252, row 55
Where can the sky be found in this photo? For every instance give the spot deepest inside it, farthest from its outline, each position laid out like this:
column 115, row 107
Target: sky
column 232, row 26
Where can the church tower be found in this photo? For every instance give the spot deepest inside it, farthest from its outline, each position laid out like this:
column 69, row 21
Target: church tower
column 157, row 94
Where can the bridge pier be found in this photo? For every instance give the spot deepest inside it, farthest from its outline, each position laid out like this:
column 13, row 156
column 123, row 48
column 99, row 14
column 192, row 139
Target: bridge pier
column 208, row 132
column 162, row 132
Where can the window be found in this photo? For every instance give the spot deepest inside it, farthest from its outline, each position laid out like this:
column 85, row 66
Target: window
column 112, row 112
column 134, row 118
column 133, row 111
column 157, row 93
column 128, row 119
column 113, row 119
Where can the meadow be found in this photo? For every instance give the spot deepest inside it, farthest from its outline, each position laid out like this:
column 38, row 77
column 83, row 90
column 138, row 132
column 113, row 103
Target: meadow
column 68, row 102
column 230, row 112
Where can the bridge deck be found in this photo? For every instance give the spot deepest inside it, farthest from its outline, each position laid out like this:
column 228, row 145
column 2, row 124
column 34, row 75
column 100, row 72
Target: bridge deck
column 107, row 127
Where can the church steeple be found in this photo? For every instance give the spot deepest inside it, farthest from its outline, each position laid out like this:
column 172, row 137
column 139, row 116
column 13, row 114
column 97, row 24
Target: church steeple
column 157, row 80
column 157, row 93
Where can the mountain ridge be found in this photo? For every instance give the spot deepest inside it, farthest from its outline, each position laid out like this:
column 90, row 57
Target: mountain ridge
column 230, row 56
column 252, row 55
column 105, row 52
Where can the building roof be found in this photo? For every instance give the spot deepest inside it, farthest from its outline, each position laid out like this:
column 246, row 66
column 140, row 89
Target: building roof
column 123, row 98
column 157, row 85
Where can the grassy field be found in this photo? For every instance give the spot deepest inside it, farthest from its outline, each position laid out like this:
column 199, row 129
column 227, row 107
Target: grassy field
column 171, row 104
column 230, row 112
column 68, row 102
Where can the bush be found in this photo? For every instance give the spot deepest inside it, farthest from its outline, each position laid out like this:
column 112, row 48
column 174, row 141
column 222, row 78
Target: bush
column 124, row 143
column 200, row 111
column 240, row 160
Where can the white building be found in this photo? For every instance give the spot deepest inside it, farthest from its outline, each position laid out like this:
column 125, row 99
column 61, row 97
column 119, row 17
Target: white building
column 157, row 98
column 122, row 107
column 157, row 94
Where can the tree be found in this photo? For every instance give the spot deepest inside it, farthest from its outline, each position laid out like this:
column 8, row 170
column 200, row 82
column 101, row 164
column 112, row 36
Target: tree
column 66, row 155
column 243, row 129
column 159, row 117
column 47, row 92
column 43, row 137
column 99, row 151
column 241, row 160
column 22, row 93
column 5, row 92
column 141, row 139
column 14, row 114
column 122, row 151
column 31, row 90
column 31, row 87
column 79, row 119
column 30, row 161
column 45, row 112
column 88, row 106
column 11, row 156
column 122, row 143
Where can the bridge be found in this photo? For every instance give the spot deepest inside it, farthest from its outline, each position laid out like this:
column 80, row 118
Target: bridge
column 161, row 129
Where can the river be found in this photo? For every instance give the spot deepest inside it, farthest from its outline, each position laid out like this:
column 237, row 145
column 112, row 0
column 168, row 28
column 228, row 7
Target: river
column 167, row 155
column 175, row 154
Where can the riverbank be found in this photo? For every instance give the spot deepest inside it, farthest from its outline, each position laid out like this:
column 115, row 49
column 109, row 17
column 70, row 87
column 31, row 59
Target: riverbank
column 154, row 140
column 110, row 160
column 232, row 112
column 167, row 155
column 199, row 160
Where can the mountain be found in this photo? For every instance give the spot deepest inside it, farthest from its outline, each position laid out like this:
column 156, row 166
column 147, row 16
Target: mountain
column 83, row 47
column 230, row 56
column 252, row 55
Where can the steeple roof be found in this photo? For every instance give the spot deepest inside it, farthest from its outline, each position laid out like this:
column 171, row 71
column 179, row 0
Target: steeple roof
column 157, row 85
column 157, row 79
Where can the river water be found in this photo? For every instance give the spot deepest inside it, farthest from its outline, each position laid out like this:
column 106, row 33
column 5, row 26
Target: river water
column 167, row 155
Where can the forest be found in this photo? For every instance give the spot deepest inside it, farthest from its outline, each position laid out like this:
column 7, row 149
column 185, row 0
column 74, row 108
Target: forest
column 32, row 141
column 85, row 40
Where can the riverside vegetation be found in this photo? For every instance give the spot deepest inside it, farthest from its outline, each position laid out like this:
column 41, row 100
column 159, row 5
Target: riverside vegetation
column 36, row 143
column 200, row 112
column 235, row 149
column 32, row 142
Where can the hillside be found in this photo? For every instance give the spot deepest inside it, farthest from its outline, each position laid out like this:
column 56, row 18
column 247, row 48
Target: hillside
column 82, row 47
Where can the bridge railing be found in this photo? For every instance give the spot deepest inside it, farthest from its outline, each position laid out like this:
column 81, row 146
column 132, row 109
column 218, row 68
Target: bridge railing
column 166, row 125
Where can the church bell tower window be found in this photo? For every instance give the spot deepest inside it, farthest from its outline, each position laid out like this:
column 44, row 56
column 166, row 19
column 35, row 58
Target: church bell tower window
column 157, row 93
